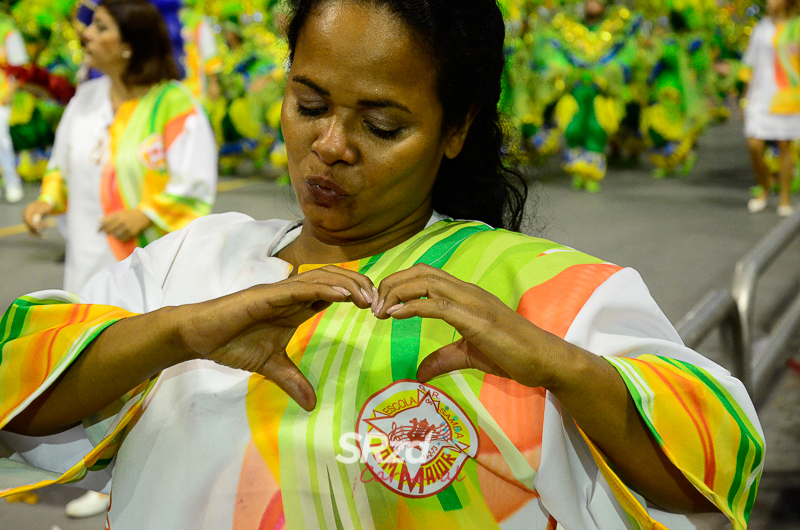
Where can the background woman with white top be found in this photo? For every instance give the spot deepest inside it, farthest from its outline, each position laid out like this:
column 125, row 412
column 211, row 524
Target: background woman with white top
column 135, row 156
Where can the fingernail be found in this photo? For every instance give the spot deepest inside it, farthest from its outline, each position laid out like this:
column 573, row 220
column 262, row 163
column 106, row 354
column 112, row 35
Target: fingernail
column 380, row 306
column 394, row 309
column 375, row 308
column 367, row 296
column 342, row 290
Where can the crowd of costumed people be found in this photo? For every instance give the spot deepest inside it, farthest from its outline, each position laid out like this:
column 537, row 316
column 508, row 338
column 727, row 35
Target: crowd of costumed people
column 596, row 82
column 592, row 82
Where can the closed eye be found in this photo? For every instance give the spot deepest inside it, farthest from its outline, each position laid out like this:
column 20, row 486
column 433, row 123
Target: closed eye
column 384, row 134
column 311, row 111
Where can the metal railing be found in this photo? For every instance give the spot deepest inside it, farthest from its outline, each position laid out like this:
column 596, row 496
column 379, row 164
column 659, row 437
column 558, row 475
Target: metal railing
column 717, row 310
column 733, row 314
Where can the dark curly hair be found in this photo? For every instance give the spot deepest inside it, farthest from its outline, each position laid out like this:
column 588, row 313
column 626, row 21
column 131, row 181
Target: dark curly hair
column 465, row 39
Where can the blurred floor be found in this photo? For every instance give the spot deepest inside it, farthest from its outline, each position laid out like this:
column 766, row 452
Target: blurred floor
column 683, row 235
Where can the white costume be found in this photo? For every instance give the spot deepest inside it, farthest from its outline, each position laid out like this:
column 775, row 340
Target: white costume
column 759, row 121
column 13, row 52
column 81, row 154
column 220, row 449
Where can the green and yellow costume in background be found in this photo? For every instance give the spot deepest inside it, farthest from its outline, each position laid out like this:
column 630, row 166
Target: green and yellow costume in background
column 596, row 62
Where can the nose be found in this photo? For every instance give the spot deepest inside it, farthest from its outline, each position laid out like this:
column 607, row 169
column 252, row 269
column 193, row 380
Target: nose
column 332, row 145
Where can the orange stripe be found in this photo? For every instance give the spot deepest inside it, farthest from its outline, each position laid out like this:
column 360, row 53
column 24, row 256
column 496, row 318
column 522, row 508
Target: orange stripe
column 174, row 128
column 349, row 265
column 79, row 309
column 554, row 304
column 781, row 77
column 302, row 336
column 517, row 409
column 703, row 431
column 112, row 201
column 552, row 523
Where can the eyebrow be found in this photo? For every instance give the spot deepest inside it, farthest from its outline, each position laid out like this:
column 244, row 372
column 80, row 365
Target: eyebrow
column 377, row 103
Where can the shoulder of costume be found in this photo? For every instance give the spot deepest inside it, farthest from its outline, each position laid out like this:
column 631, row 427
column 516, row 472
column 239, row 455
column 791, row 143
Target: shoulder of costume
column 486, row 240
column 229, row 223
column 90, row 95
column 93, row 86
column 175, row 93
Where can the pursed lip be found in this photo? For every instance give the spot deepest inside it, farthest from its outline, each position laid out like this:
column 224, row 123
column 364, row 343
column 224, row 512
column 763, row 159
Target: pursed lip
column 321, row 181
column 324, row 190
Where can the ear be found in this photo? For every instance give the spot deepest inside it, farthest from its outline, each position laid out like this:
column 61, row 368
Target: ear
column 454, row 141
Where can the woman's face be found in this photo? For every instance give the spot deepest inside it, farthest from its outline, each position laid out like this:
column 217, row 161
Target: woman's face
column 103, row 44
column 362, row 123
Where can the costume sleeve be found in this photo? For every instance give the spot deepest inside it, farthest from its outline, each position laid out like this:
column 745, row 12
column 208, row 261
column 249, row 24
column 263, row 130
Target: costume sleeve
column 699, row 414
column 54, row 183
column 184, row 188
column 749, row 58
column 54, row 190
column 40, row 336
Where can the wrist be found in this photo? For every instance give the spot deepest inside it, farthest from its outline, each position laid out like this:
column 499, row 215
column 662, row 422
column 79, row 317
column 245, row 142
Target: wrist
column 573, row 367
column 173, row 318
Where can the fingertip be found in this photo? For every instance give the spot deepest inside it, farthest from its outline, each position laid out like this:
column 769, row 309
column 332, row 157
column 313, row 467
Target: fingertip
column 367, row 296
column 424, row 375
column 308, row 401
column 392, row 311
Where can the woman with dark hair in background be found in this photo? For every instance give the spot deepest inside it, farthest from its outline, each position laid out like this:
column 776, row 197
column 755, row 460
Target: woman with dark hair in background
column 133, row 149
column 271, row 374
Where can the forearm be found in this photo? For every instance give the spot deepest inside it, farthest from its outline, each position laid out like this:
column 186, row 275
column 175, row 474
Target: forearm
column 123, row 356
column 597, row 398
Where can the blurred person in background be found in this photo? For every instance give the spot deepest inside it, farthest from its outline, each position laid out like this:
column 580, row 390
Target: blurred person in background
column 773, row 105
column 134, row 156
column 13, row 53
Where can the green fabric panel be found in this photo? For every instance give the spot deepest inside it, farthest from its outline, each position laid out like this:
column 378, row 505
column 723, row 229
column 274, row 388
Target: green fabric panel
column 449, row 499
column 406, row 333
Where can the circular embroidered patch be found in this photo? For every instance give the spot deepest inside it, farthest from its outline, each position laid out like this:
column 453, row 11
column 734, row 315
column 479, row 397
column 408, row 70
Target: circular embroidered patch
column 414, row 438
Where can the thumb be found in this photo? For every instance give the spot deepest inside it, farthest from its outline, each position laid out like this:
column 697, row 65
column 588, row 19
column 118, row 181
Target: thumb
column 459, row 355
column 284, row 373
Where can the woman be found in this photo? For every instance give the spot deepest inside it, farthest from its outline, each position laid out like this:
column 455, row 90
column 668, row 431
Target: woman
column 390, row 124
column 133, row 149
column 773, row 102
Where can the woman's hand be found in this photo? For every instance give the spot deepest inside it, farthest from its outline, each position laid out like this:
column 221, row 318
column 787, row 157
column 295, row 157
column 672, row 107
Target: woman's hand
column 249, row 330
column 125, row 224
column 34, row 215
column 496, row 339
